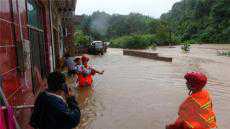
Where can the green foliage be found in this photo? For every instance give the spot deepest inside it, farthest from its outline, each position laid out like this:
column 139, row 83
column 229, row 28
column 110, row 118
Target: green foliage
column 186, row 47
column 102, row 26
column 192, row 21
column 205, row 21
column 134, row 42
column 81, row 39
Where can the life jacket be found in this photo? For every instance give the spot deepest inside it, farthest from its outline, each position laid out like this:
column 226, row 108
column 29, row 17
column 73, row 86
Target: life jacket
column 197, row 111
column 85, row 80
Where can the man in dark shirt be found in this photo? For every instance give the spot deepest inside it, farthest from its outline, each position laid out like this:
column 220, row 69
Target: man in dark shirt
column 55, row 108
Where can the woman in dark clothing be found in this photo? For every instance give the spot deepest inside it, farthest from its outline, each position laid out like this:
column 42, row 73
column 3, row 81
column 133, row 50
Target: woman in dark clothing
column 55, row 108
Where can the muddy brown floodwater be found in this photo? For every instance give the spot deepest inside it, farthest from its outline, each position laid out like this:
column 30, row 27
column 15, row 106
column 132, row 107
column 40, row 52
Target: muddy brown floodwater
column 137, row 93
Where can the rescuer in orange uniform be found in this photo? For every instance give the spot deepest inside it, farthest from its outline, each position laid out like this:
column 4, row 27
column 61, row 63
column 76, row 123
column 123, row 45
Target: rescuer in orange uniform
column 85, row 78
column 196, row 112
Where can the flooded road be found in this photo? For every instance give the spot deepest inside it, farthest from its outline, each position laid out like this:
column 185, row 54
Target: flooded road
column 137, row 93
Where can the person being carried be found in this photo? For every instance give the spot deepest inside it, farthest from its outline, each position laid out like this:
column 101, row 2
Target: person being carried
column 85, row 78
column 78, row 65
column 56, row 107
column 196, row 112
column 77, row 69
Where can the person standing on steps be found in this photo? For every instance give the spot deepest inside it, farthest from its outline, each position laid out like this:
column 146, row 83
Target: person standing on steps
column 56, row 107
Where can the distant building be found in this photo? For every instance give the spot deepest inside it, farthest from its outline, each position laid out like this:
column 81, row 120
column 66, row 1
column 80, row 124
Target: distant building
column 33, row 35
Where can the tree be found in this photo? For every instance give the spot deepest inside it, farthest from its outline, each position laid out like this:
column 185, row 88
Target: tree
column 200, row 20
column 194, row 21
column 80, row 38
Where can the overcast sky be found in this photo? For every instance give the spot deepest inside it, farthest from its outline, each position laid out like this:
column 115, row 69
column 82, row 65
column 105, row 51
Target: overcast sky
column 152, row 8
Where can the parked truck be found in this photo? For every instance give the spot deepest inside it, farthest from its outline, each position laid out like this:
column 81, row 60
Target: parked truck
column 97, row 47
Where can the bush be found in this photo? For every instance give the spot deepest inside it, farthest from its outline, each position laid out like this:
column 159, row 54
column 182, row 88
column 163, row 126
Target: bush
column 81, row 39
column 223, row 53
column 133, row 41
column 186, row 47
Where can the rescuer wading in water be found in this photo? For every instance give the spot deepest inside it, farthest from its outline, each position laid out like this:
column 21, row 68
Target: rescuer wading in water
column 196, row 112
column 86, row 72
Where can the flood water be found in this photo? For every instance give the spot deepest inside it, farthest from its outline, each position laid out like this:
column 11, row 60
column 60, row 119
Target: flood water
column 137, row 93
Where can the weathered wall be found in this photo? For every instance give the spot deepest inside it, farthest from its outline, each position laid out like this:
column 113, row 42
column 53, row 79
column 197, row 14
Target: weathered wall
column 17, row 84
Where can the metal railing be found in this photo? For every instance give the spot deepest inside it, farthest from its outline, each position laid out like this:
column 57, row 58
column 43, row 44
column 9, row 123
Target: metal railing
column 19, row 107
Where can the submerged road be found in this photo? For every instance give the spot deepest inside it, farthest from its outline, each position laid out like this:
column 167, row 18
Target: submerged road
column 137, row 93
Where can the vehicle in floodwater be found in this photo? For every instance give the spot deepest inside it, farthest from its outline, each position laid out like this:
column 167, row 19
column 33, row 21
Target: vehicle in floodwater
column 97, row 47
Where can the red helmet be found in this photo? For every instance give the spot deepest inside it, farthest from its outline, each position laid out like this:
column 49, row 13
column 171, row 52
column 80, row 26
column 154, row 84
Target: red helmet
column 84, row 58
column 197, row 79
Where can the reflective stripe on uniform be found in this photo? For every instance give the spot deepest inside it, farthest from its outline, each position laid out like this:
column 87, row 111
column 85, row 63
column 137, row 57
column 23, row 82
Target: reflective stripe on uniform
column 190, row 125
column 205, row 106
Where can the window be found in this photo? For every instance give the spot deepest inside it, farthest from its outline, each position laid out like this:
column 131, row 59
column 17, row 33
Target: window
column 34, row 14
column 37, row 39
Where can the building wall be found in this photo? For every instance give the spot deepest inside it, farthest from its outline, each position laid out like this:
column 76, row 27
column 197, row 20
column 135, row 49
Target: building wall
column 15, row 52
column 58, row 27
column 9, row 39
column 14, row 31
column 48, row 37
column 69, row 39
column 14, row 83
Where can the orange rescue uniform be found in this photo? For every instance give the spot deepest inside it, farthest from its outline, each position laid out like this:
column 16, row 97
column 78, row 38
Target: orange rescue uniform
column 86, row 80
column 196, row 112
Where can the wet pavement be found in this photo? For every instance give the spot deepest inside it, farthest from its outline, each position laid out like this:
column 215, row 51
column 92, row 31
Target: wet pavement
column 137, row 93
